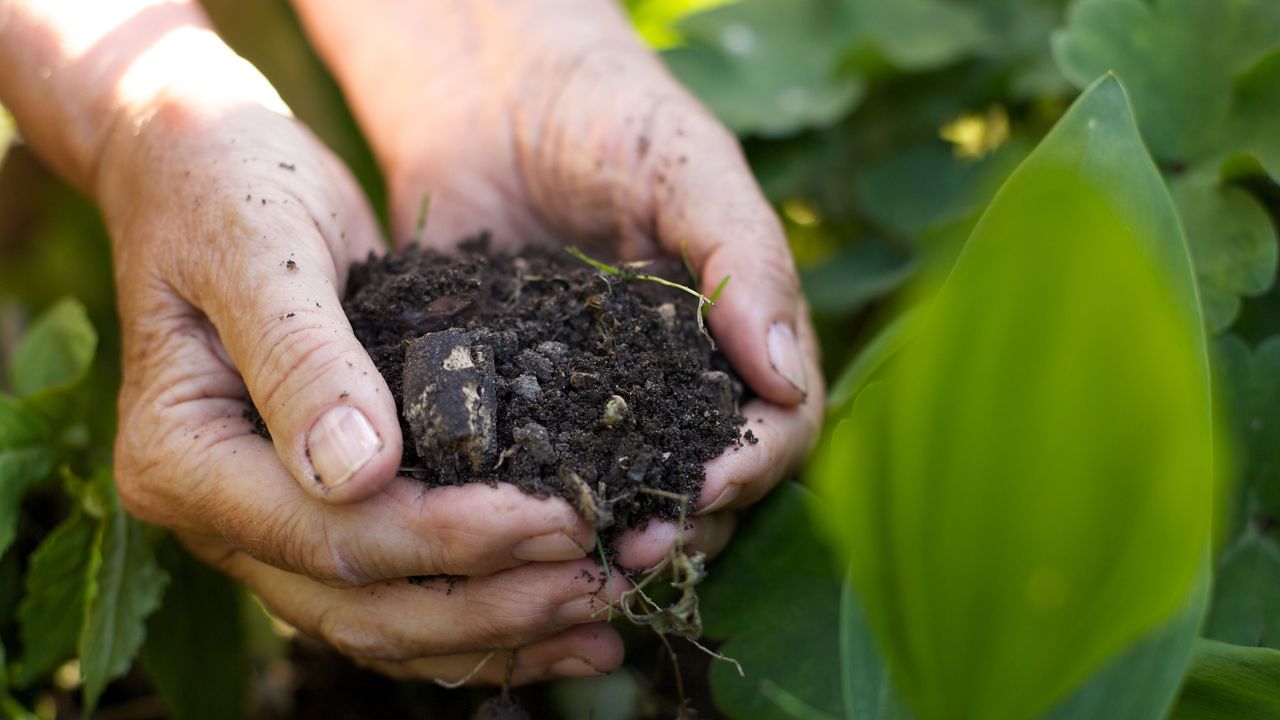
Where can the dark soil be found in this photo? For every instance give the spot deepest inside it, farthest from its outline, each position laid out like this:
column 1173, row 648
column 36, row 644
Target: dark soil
column 539, row 370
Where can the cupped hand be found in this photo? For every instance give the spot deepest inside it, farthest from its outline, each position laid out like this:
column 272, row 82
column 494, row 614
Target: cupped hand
column 232, row 229
column 547, row 120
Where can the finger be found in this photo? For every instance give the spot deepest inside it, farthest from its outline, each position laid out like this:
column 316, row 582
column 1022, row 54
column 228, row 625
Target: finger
column 709, row 208
column 190, row 461
column 272, row 292
column 783, row 437
column 643, row 548
column 581, row 651
column 401, row 620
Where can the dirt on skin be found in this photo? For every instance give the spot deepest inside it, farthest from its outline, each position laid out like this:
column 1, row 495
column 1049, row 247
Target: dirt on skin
column 538, row 370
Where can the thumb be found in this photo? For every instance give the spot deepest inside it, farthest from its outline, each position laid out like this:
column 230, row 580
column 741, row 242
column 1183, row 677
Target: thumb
column 711, row 210
column 277, row 311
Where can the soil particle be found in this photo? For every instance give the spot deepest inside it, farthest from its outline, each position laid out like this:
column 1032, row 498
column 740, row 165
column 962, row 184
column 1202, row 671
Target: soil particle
column 538, row 370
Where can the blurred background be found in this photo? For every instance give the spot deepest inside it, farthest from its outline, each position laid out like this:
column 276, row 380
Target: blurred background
column 880, row 129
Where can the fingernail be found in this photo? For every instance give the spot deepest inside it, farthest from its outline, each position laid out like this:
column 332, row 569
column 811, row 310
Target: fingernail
column 552, row 547
column 726, row 496
column 340, row 443
column 784, row 355
column 574, row 666
column 583, row 609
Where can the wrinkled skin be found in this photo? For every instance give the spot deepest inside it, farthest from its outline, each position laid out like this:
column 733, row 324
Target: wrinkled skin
column 541, row 120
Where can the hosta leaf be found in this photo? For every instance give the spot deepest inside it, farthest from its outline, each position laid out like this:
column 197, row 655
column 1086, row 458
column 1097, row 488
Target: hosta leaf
column 769, row 67
column 1028, row 491
column 1233, row 243
column 52, row 611
column 195, row 650
column 794, row 586
column 25, row 459
column 1246, row 600
column 1228, row 682
column 126, row 588
column 56, row 351
column 1177, row 57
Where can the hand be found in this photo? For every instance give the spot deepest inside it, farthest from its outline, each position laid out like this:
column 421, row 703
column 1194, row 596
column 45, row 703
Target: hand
column 232, row 229
column 545, row 120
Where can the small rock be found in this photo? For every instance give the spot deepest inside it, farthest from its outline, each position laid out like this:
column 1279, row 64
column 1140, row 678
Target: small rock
column 615, row 411
column 667, row 312
column 531, row 362
column 583, row 380
column 537, row 441
column 553, row 350
column 717, row 387
column 527, row 387
column 449, row 398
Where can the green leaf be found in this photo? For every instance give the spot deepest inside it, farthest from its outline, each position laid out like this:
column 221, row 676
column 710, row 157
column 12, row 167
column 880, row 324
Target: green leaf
column 920, row 34
column 1027, row 491
column 1140, row 683
column 855, row 276
column 868, row 689
column 784, row 630
column 52, row 611
column 1228, row 682
column 56, row 351
column 1250, row 381
column 1246, row 602
column 870, row 359
column 195, row 651
column 1143, row 681
column 1255, row 107
column 1233, row 244
column 767, row 67
column 25, row 459
column 1177, row 57
column 126, row 588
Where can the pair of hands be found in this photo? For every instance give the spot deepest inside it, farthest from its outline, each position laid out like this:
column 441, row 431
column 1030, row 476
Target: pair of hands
column 540, row 120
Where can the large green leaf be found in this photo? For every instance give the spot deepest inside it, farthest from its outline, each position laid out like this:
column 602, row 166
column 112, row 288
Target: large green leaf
column 1228, row 682
column 1028, row 492
column 1142, row 682
column 1255, row 107
column 56, row 351
column 195, row 649
column 25, row 459
column 126, row 588
column 1246, row 602
column 784, row 630
column 52, row 611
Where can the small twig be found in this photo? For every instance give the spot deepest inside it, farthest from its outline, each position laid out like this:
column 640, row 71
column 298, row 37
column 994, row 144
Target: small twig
column 451, row 685
column 625, row 273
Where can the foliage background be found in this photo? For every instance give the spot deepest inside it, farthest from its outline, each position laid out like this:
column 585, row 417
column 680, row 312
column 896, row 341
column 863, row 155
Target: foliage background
column 880, row 129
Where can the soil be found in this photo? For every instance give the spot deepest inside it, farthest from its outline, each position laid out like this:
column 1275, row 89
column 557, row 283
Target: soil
column 541, row 371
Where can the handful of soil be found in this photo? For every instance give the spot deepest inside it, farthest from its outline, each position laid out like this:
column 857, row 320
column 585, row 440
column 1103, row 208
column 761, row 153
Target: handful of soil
column 538, row 370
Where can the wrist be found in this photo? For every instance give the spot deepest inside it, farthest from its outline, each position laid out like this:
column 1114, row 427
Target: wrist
column 173, row 106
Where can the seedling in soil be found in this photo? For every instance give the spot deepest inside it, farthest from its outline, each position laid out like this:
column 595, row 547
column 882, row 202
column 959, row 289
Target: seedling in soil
column 420, row 229
column 627, row 271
